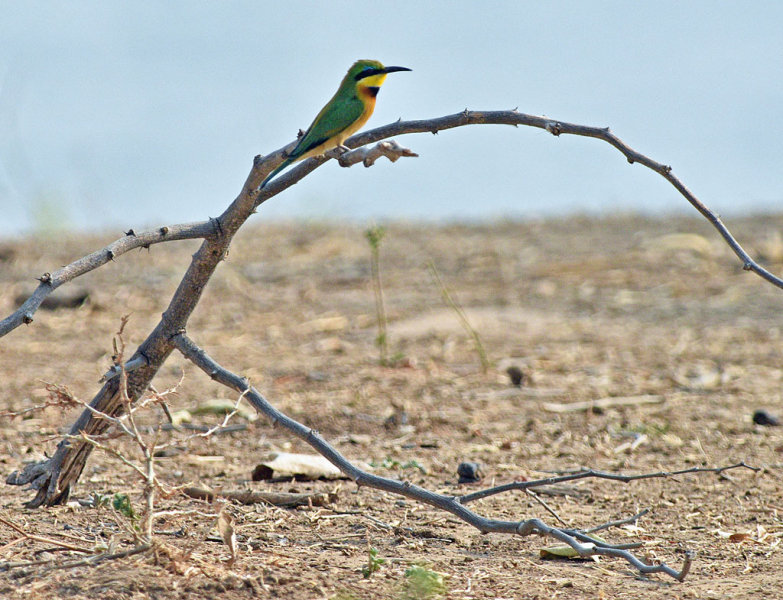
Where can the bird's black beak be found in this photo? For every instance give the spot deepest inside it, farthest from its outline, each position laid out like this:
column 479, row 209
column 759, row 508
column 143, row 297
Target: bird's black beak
column 393, row 69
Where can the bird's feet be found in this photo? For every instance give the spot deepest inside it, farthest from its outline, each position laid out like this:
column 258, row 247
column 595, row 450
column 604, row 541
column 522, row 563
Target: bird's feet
column 337, row 151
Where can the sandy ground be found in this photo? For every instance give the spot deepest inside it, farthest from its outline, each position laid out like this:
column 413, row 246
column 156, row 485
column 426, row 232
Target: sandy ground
column 586, row 309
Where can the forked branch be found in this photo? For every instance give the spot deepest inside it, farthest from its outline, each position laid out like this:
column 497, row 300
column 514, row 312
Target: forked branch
column 583, row 543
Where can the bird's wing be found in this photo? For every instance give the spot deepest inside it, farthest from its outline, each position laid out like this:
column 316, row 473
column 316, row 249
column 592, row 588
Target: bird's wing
column 333, row 118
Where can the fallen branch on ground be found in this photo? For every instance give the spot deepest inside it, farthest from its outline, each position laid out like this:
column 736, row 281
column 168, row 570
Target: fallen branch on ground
column 583, row 543
column 611, row 402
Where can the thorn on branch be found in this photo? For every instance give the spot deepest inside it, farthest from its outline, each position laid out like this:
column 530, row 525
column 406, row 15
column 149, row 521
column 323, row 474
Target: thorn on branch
column 130, row 232
column 747, row 266
column 164, row 230
column 631, row 160
column 27, row 318
column 554, row 128
column 667, row 169
column 110, row 254
column 45, row 278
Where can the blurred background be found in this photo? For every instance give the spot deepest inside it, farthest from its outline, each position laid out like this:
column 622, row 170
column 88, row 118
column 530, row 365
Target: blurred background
column 117, row 115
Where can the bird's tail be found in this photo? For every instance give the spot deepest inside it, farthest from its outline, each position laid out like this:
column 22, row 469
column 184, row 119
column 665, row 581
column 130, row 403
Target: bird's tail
column 282, row 166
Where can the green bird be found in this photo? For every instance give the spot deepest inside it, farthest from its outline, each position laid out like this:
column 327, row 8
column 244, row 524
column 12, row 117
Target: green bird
column 344, row 114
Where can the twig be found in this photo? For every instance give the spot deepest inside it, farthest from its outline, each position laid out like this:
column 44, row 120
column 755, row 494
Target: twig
column 255, row 497
column 59, row 395
column 131, row 365
column 579, row 541
column 89, row 561
column 523, row 485
column 619, row 522
column 611, row 402
column 550, row 510
column 41, row 539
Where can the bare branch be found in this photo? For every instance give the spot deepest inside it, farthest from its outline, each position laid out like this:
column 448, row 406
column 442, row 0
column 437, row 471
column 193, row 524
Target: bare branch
column 512, row 117
column 524, row 485
column 131, row 365
column 131, row 240
column 584, row 544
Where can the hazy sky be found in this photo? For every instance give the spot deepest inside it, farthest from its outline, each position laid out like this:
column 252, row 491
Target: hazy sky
column 127, row 114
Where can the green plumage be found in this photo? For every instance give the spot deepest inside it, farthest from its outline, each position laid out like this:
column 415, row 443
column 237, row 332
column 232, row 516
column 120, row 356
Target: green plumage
column 333, row 119
column 344, row 114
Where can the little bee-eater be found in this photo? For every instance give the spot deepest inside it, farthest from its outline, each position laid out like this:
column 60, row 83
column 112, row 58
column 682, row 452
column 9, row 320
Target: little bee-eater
column 344, row 114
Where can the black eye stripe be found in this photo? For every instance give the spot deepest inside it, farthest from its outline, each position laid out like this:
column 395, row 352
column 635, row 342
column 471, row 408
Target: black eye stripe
column 368, row 72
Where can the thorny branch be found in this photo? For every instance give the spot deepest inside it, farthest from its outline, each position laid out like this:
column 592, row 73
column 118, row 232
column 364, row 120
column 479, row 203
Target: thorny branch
column 581, row 542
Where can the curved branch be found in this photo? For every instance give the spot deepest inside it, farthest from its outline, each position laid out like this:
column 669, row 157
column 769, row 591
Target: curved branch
column 515, row 118
column 581, row 542
column 131, row 240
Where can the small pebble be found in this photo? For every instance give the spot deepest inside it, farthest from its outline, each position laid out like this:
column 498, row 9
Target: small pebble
column 469, row 472
column 516, row 375
column 762, row 417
